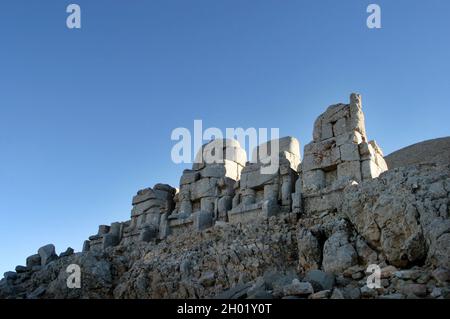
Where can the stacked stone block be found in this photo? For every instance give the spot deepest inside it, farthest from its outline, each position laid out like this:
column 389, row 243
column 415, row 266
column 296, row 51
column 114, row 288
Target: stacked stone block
column 339, row 153
column 206, row 190
column 263, row 194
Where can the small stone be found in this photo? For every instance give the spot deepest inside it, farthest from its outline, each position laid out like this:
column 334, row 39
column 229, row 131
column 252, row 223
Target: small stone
column 207, row 279
column 418, row 290
column 437, row 292
column 351, row 292
column 297, row 288
column 407, row 274
column 357, row 275
column 109, row 240
column 36, row 293
column 10, row 275
column 36, row 268
column 324, row 294
column 320, row 280
column 367, row 292
column 388, row 271
column 337, row 294
column 442, row 275
column 424, row 278
column 392, row 296
column 69, row 251
column 86, row 246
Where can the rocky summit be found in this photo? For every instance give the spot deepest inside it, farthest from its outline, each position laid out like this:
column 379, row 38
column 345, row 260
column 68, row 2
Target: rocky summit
column 337, row 223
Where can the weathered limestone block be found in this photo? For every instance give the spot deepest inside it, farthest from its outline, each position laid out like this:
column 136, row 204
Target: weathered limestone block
column 349, row 152
column 86, row 246
column 189, row 176
column 376, row 147
column 248, row 196
column 236, row 200
column 208, row 204
column 356, row 114
column 317, row 131
column 205, row 187
column 287, row 187
column 223, row 206
column 313, row 180
column 251, row 177
column 341, row 126
column 103, row 229
column 218, row 150
column 148, row 233
column 202, row 220
column 270, row 208
column 309, row 250
column 319, row 202
column 336, row 112
column 33, row 260
column 321, row 155
column 110, row 240
column 164, row 229
column 327, row 130
column 349, row 137
column 381, row 163
column 370, row 169
column 338, row 253
column 366, row 151
column 47, row 254
column 185, row 206
column 285, row 144
column 271, row 192
column 349, row 170
column 297, row 198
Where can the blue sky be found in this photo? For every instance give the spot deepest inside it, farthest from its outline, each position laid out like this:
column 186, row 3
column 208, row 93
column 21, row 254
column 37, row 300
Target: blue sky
column 86, row 115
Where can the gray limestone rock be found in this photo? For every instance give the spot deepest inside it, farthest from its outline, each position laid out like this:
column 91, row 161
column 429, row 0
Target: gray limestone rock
column 202, row 220
column 47, row 254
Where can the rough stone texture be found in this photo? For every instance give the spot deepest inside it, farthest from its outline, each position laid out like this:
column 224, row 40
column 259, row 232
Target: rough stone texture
column 264, row 194
column 404, row 213
column 47, row 254
column 339, row 153
column 307, row 231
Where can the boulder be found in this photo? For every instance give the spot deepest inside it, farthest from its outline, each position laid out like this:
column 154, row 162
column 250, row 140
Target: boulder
column 10, row 275
column 297, row 288
column 202, row 220
column 338, row 253
column 69, row 251
column 33, row 260
column 21, row 269
column 47, row 254
column 320, row 280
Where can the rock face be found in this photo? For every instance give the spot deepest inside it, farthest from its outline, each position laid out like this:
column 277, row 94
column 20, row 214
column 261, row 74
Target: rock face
column 431, row 151
column 404, row 214
column 311, row 229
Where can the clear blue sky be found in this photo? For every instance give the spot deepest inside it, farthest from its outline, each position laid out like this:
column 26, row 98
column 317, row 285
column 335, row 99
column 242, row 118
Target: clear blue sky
column 86, row 115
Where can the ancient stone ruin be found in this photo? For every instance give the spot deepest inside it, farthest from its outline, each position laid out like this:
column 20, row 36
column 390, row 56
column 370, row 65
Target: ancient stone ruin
column 225, row 187
column 310, row 228
column 339, row 154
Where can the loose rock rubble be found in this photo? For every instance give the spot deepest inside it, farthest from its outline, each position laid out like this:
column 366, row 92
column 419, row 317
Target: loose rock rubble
column 314, row 229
